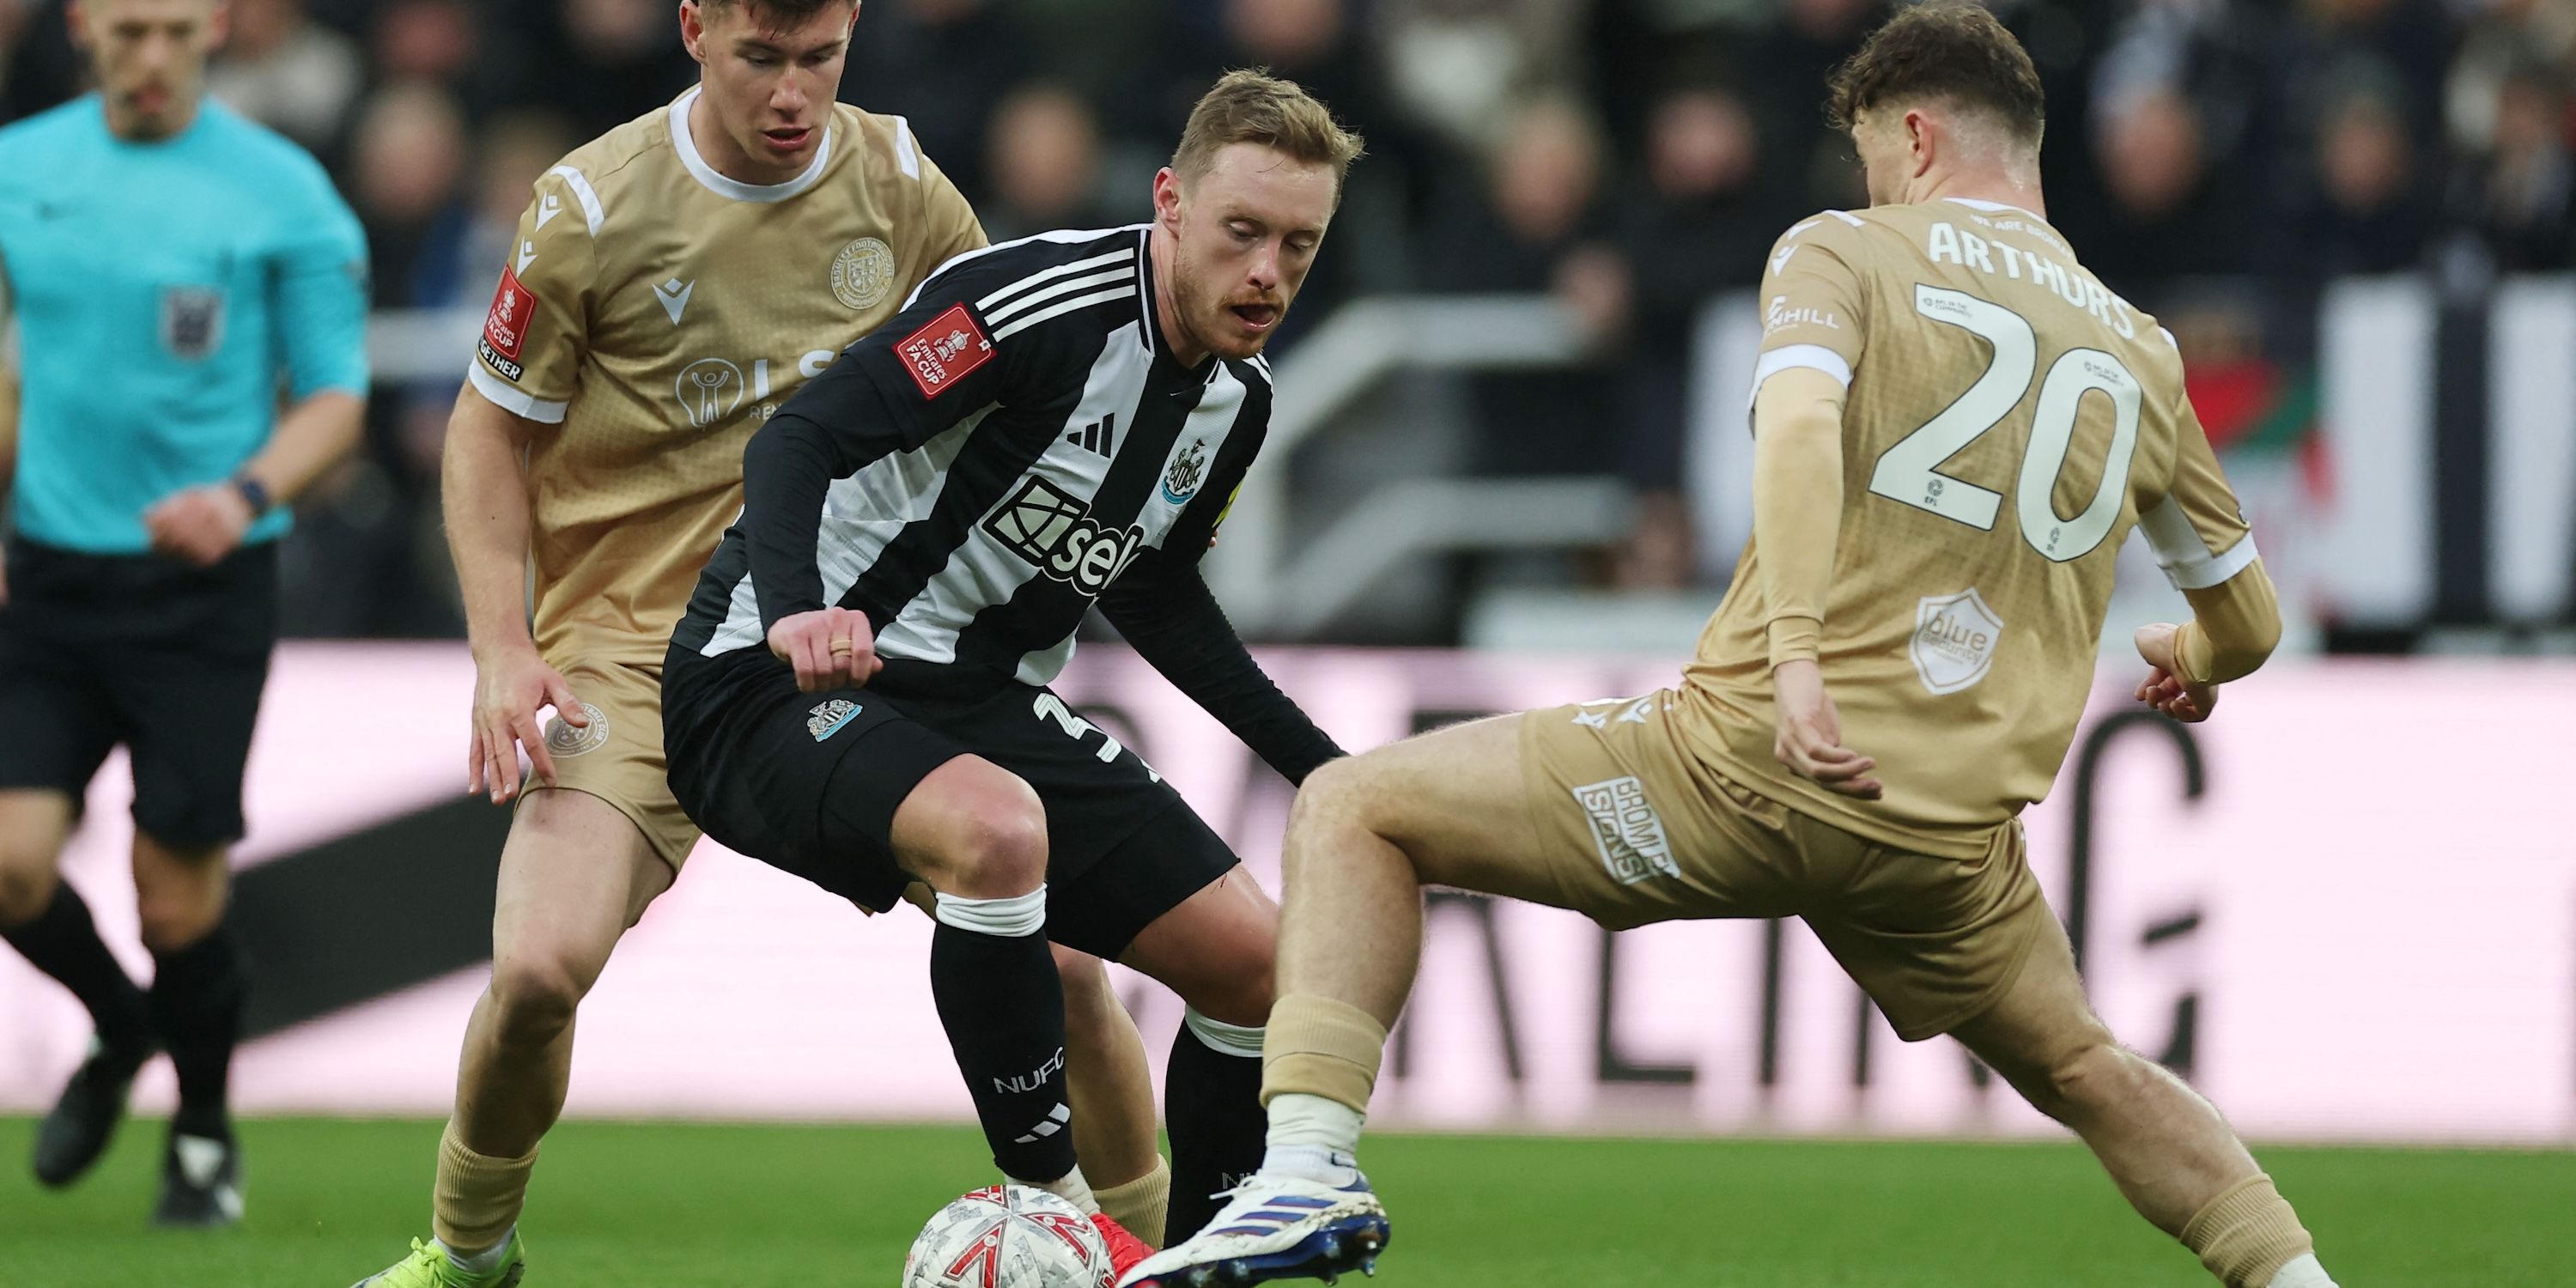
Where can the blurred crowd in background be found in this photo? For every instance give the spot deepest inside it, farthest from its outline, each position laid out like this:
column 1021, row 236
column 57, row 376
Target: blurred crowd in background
column 2213, row 160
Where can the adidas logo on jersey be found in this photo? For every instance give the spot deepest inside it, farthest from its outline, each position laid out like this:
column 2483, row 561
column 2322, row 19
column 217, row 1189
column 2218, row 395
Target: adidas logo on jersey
column 1100, row 437
column 1054, row 530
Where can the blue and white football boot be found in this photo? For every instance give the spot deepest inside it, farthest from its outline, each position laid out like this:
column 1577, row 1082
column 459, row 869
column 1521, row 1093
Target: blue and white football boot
column 1277, row 1227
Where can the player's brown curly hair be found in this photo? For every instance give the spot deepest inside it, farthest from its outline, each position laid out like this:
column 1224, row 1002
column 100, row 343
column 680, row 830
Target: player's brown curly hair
column 1253, row 106
column 1945, row 50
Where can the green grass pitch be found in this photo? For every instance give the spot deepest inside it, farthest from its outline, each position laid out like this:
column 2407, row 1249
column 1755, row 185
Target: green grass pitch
column 632, row 1205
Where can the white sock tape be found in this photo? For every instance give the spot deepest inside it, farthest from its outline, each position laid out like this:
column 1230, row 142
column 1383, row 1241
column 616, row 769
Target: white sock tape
column 1013, row 917
column 1224, row 1038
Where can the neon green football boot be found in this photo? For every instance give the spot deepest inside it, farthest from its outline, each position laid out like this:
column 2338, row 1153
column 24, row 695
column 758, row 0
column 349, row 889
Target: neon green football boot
column 428, row 1267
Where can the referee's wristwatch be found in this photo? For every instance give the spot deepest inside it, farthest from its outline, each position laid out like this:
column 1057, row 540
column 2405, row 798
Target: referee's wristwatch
column 255, row 494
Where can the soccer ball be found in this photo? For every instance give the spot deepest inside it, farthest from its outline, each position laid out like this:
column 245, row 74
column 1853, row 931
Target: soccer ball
column 1008, row 1236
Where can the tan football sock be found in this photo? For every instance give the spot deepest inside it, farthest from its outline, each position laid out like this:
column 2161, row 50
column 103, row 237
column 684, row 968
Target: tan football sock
column 477, row 1197
column 1319, row 1047
column 1141, row 1204
column 2247, row 1234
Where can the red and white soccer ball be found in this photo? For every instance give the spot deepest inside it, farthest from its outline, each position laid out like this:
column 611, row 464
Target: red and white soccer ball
column 1008, row 1236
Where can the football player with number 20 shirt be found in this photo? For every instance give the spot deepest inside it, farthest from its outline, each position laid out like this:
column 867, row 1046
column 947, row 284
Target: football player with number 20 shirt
column 1955, row 428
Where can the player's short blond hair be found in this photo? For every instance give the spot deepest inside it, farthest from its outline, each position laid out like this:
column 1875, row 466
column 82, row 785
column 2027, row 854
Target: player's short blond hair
column 1252, row 106
column 779, row 12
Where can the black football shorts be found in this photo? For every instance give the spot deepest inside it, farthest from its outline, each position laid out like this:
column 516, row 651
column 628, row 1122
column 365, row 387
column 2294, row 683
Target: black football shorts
column 809, row 783
column 159, row 656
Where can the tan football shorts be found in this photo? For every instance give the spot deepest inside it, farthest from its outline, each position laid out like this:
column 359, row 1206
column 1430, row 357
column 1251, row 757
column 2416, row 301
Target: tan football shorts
column 618, row 757
column 1645, row 831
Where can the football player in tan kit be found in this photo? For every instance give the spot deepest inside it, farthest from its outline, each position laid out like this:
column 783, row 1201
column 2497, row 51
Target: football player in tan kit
column 1956, row 427
column 672, row 282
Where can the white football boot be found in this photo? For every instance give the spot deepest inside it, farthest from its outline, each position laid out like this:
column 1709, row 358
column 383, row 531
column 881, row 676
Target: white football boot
column 1277, row 1227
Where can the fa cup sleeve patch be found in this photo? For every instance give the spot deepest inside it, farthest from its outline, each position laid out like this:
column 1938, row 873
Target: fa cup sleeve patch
column 943, row 351
column 505, row 328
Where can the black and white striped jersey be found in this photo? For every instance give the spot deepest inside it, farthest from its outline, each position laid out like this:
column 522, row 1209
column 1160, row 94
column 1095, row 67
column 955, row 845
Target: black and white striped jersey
column 975, row 473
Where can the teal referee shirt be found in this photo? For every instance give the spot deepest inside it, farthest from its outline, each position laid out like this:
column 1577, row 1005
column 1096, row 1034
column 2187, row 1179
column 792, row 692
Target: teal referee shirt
column 166, row 295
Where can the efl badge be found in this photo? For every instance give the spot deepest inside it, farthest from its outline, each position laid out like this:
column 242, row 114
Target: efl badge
column 943, row 352
column 192, row 321
column 505, row 328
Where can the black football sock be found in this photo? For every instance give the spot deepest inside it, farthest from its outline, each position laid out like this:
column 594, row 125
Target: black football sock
column 63, row 942
column 1212, row 1104
column 197, row 996
column 993, row 977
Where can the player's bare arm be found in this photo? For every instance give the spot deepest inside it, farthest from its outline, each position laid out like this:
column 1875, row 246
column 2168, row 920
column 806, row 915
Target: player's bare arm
column 2235, row 625
column 202, row 524
column 1797, row 519
column 484, row 484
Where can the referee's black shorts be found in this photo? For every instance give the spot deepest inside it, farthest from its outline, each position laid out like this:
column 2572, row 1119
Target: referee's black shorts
column 809, row 783
column 158, row 655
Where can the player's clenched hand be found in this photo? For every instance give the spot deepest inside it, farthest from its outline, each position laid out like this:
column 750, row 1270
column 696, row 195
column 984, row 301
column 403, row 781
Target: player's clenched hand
column 200, row 524
column 1809, row 737
column 508, row 692
column 831, row 648
column 2165, row 690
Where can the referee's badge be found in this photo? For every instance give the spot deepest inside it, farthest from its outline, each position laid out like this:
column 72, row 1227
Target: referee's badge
column 192, row 321
column 564, row 740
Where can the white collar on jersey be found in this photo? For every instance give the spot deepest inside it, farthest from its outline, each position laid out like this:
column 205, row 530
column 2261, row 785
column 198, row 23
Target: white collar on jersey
column 1994, row 207
column 736, row 189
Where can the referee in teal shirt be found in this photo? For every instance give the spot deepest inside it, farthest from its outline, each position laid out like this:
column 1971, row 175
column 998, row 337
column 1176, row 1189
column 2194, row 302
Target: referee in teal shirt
column 189, row 299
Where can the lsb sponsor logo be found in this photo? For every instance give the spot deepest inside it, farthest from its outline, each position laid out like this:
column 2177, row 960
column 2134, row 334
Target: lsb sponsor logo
column 712, row 389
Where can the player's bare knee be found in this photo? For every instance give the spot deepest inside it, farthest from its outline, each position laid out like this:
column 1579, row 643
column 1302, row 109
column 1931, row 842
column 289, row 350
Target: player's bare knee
column 170, row 920
column 1336, row 793
column 179, row 898
column 1003, row 855
column 26, row 887
column 534, row 994
column 1339, row 797
column 990, row 840
column 1244, row 996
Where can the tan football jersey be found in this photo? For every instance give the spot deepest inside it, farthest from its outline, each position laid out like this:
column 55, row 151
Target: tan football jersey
column 654, row 314
column 2008, row 421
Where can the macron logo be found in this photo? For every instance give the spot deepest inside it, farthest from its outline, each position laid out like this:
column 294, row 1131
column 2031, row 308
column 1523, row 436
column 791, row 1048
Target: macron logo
column 674, row 295
column 548, row 209
column 527, row 255
column 1781, row 261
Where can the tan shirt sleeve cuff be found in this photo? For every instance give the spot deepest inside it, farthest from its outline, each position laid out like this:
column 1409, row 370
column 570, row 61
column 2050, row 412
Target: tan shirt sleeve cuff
column 1795, row 639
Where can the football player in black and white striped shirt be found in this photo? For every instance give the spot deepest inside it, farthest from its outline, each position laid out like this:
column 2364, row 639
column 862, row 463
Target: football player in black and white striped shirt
column 860, row 682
